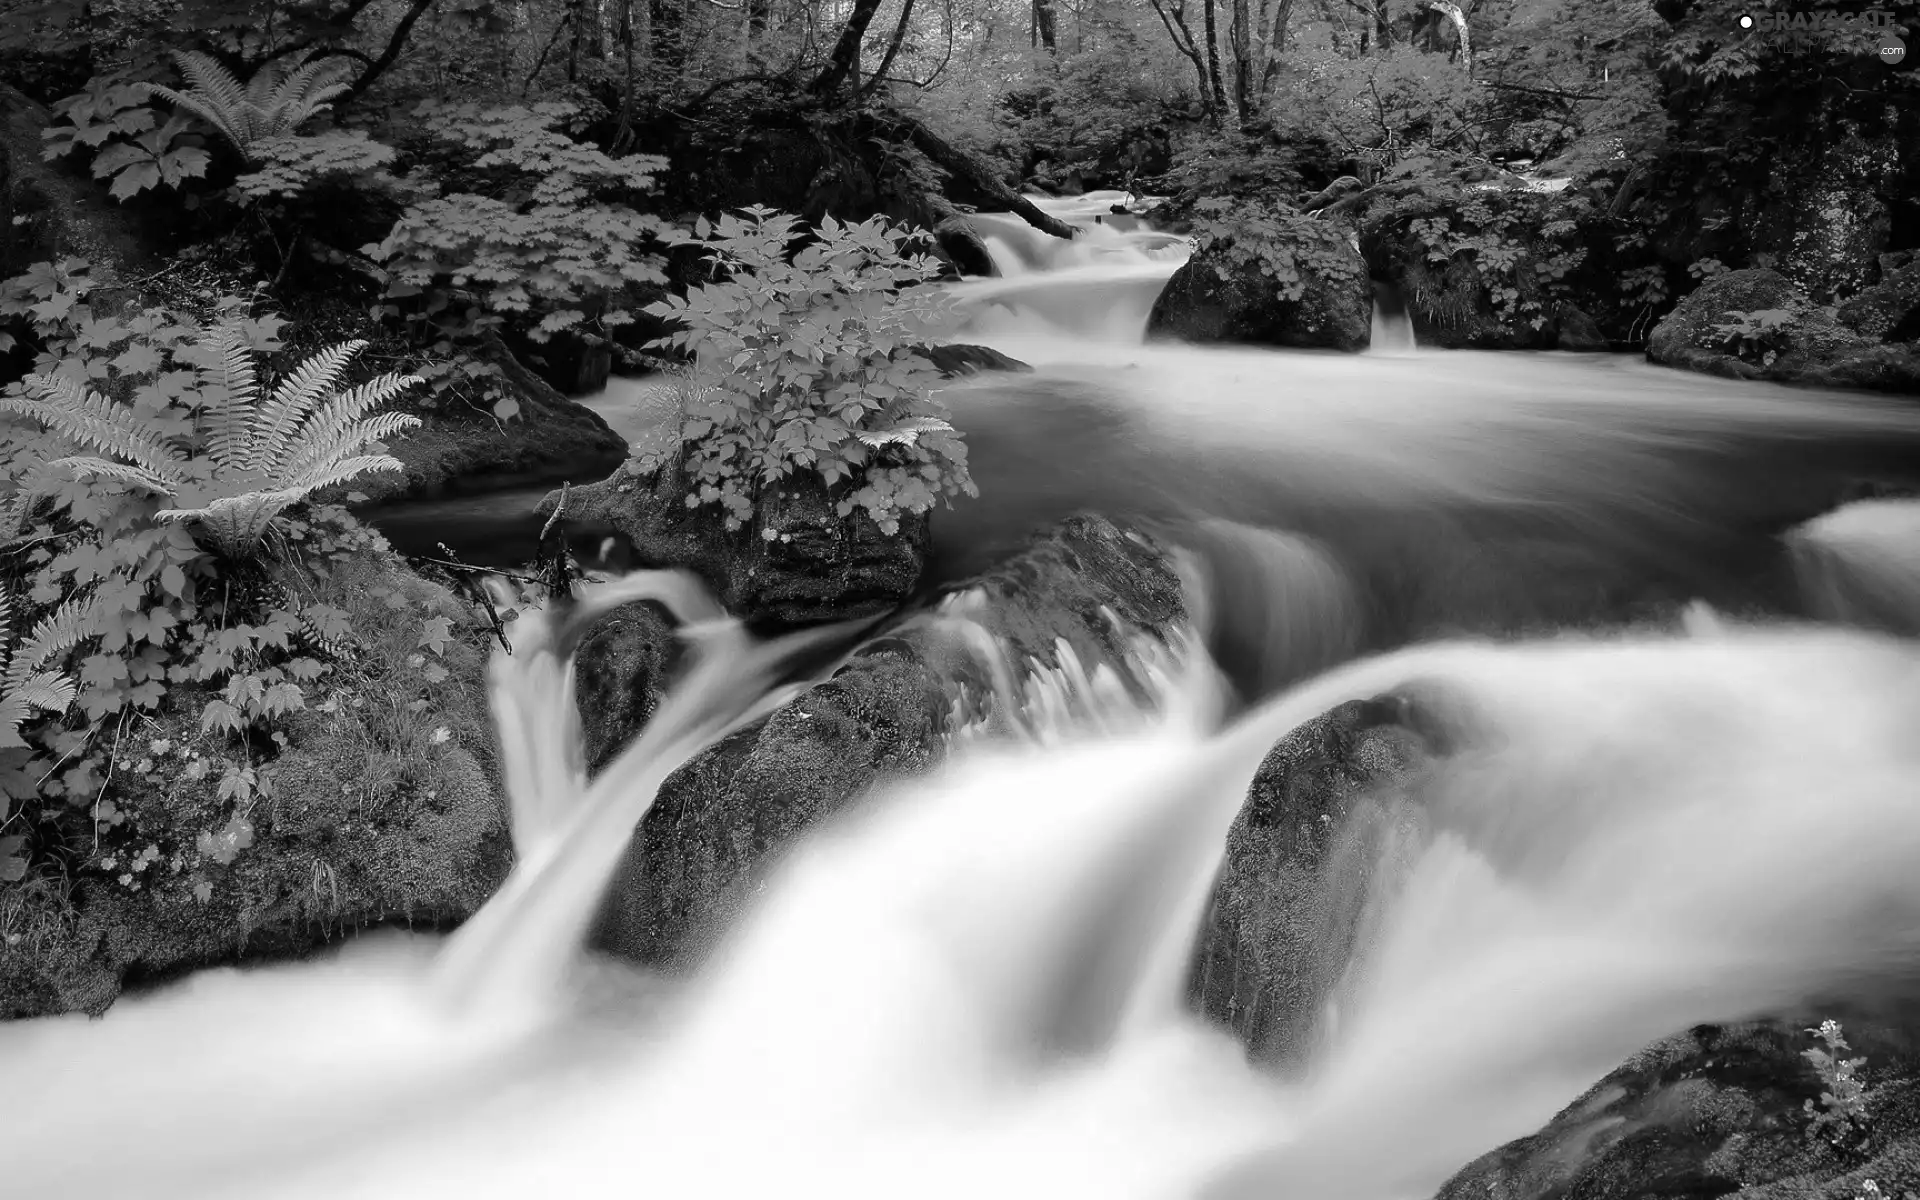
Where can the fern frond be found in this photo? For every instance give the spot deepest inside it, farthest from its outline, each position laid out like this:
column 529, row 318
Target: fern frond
column 357, row 437
column 96, row 422
column 348, row 468
column 305, row 92
column 87, row 467
column 46, row 691
column 58, row 632
column 6, row 629
column 331, row 431
column 298, row 395
column 232, row 418
column 214, row 94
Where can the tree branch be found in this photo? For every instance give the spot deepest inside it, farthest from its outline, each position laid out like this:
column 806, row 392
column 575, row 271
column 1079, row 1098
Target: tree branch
column 391, row 54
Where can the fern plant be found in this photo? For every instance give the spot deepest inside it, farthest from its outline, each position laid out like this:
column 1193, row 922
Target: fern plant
column 272, row 104
column 242, row 459
column 26, row 683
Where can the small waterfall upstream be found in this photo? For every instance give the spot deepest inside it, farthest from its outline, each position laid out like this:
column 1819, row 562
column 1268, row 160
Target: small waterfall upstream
column 1100, row 285
column 1392, row 327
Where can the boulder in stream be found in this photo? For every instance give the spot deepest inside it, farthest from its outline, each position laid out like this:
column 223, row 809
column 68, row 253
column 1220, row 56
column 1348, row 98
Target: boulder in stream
column 1719, row 1110
column 1286, row 281
column 886, row 713
column 551, row 438
column 1757, row 324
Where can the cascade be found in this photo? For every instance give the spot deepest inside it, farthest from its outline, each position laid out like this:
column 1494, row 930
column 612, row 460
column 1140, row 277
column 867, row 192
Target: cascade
column 972, row 982
column 1392, row 327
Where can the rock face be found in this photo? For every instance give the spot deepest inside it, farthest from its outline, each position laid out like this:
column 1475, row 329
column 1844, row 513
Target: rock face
column 1222, row 294
column 885, row 714
column 1757, row 324
column 1292, row 889
column 370, row 821
column 1718, row 1110
column 552, row 438
column 1889, row 311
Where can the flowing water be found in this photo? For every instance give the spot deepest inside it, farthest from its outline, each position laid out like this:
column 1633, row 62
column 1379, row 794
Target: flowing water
column 972, row 983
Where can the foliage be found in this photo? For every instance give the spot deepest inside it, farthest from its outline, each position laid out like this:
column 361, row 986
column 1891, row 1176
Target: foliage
column 1840, row 1116
column 1292, row 249
column 228, row 460
column 548, row 239
column 274, row 103
column 132, row 148
column 26, row 682
column 808, row 362
column 290, row 165
column 1759, row 335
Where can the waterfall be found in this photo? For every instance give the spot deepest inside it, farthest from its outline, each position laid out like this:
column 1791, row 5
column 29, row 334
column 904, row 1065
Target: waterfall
column 1392, row 327
column 1860, row 564
column 1099, row 285
column 963, row 984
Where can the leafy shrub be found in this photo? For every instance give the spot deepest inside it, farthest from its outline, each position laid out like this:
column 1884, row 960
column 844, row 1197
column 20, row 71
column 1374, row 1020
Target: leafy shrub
column 1759, row 335
column 1288, row 247
column 548, row 237
column 130, row 145
column 222, row 650
column 1840, row 1115
column 807, row 362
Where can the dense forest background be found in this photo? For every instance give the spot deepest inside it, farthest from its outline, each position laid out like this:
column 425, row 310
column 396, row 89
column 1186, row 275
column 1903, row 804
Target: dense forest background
column 524, row 162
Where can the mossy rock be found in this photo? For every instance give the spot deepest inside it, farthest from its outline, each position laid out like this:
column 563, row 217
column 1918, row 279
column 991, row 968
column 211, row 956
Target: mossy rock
column 1809, row 345
column 1222, row 295
column 1721, row 1109
column 551, row 438
column 725, row 816
column 383, row 808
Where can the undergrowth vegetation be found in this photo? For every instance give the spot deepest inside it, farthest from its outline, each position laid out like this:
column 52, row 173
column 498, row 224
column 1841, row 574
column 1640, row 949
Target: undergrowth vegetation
column 807, row 361
column 174, row 605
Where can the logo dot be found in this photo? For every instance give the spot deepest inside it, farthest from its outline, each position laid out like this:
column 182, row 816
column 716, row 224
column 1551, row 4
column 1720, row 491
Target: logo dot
column 1746, row 22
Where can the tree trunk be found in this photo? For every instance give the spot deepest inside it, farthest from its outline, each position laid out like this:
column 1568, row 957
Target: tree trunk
column 1173, row 14
column 1216, row 90
column 1240, row 37
column 886, row 60
column 963, row 165
column 844, row 63
column 1273, row 43
column 1043, row 25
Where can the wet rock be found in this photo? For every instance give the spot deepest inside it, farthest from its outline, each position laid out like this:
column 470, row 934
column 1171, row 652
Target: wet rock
column 1757, row 324
column 1889, row 311
column 961, row 244
column 1717, row 1110
column 372, row 819
column 960, row 358
column 1575, row 330
column 550, row 439
column 885, row 714
column 1293, row 886
column 1227, row 293
column 798, row 563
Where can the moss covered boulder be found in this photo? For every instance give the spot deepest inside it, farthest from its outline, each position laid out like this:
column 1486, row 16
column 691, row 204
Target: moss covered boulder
column 1269, row 278
column 1295, row 876
column 380, row 808
column 551, row 438
column 887, row 713
column 1757, row 324
column 1718, row 1110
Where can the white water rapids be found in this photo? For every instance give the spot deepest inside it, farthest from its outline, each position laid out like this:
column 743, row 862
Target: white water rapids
column 973, row 985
